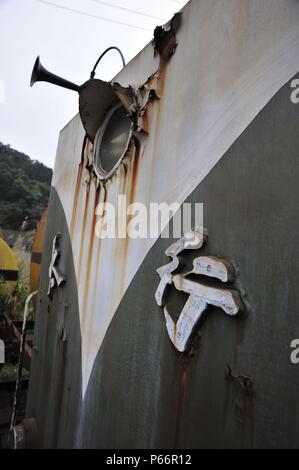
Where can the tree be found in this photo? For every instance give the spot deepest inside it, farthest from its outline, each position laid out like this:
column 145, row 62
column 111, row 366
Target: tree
column 24, row 188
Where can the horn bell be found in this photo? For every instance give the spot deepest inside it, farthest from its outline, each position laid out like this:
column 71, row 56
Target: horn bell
column 41, row 74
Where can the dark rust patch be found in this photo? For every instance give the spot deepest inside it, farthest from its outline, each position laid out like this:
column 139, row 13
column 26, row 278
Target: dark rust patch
column 135, row 169
column 243, row 394
column 165, row 41
column 183, row 365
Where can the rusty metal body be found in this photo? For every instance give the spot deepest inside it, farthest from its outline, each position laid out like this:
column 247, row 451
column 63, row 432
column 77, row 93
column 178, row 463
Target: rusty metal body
column 219, row 129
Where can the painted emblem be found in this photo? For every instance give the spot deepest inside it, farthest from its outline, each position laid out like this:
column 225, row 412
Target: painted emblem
column 201, row 295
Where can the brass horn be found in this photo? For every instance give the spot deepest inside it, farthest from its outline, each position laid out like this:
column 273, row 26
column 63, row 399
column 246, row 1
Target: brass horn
column 40, row 74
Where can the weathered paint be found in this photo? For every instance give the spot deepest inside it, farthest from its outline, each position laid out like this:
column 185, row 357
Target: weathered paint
column 237, row 387
column 190, row 128
column 55, row 398
column 135, row 391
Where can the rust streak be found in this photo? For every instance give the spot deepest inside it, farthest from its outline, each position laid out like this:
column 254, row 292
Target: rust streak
column 80, row 259
column 134, row 171
column 183, row 364
column 76, row 198
column 98, row 255
column 91, row 250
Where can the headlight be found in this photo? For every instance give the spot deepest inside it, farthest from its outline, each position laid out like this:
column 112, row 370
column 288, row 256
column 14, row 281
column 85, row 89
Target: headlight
column 112, row 142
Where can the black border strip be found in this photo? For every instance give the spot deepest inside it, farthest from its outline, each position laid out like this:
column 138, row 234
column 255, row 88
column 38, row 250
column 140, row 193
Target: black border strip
column 9, row 275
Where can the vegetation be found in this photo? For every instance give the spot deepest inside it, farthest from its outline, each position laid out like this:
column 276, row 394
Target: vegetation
column 9, row 373
column 13, row 303
column 25, row 188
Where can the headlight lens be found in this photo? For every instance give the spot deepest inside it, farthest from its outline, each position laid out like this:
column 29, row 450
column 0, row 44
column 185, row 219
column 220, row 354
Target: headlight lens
column 113, row 140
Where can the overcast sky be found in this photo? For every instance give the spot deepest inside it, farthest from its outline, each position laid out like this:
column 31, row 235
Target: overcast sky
column 69, row 44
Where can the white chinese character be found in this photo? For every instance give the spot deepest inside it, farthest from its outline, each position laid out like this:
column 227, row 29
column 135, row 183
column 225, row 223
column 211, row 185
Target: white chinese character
column 200, row 294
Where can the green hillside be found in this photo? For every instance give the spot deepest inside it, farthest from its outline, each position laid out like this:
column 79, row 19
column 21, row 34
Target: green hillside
column 24, row 188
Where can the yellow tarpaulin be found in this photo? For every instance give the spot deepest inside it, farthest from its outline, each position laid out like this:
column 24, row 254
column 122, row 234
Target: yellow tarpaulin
column 37, row 251
column 8, row 264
